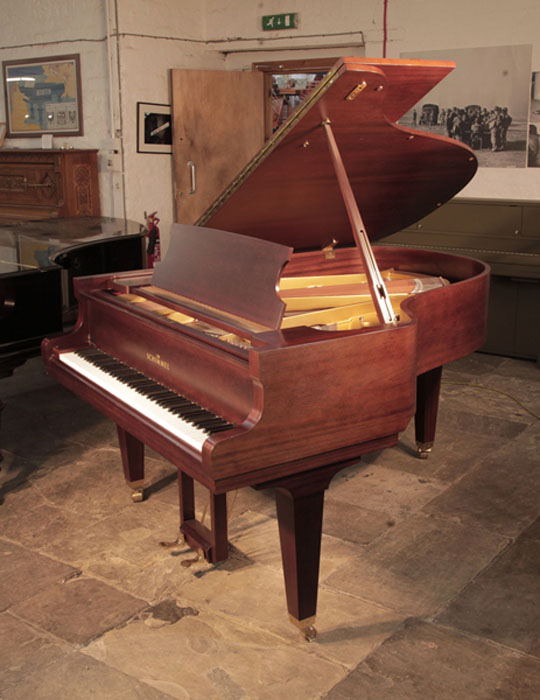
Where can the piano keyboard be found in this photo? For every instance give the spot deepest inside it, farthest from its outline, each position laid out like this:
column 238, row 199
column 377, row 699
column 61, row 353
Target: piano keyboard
column 173, row 412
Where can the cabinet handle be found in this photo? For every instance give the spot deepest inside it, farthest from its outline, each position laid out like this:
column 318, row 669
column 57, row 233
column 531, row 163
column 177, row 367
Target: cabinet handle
column 191, row 166
column 15, row 184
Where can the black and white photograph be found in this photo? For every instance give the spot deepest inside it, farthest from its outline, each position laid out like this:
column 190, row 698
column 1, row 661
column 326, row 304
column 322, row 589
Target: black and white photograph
column 483, row 102
column 533, row 146
column 154, row 128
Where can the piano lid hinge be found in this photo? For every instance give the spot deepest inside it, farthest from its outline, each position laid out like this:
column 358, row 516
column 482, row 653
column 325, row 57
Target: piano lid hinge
column 328, row 250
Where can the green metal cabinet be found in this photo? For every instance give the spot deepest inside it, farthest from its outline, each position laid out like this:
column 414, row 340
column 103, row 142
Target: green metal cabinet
column 505, row 234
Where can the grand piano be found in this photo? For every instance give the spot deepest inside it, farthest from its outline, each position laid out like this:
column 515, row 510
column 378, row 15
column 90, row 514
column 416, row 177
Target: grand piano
column 274, row 346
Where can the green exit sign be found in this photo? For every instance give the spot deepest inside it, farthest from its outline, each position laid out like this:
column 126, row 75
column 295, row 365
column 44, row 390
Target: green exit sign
column 286, row 21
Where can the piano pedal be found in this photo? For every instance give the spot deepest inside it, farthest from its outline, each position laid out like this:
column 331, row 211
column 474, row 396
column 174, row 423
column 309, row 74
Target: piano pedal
column 424, row 449
column 186, row 563
column 180, row 541
column 306, row 627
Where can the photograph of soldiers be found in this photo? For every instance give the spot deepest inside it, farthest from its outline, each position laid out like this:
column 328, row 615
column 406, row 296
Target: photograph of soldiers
column 483, row 103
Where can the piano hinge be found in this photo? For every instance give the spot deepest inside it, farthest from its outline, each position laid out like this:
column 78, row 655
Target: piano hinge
column 353, row 94
column 328, row 250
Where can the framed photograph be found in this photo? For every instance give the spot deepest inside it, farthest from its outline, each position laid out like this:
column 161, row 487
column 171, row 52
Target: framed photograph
column 43, row 96
column 2, row 132
column 154, row 128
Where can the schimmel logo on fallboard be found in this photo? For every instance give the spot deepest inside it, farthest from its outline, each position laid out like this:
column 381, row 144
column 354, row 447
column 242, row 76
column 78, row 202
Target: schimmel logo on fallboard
column 156, row 359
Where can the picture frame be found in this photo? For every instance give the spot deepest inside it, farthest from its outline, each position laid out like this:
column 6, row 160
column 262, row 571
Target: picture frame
column 154, row 128
column 43, row 96
column 3, row 128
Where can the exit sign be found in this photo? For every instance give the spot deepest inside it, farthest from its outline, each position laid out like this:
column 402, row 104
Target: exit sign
column 286, row 21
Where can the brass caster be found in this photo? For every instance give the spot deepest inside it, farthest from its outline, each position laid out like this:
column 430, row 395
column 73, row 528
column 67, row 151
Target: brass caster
column 424, row 449
column 137, row 496
column 137, row 490
column 306, row 627
column 309, row 633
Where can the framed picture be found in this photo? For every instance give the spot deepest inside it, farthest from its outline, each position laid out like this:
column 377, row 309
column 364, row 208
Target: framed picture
column 2, row 132
column 154, row 128
column 43, row 96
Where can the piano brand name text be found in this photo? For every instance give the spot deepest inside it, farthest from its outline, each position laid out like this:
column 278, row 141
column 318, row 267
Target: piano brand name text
column 156, row 359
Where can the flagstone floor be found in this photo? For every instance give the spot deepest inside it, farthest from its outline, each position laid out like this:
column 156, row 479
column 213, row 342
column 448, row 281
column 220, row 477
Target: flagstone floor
column 430, row 569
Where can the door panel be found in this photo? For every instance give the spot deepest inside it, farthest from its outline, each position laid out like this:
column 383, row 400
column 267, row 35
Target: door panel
column 218, row 125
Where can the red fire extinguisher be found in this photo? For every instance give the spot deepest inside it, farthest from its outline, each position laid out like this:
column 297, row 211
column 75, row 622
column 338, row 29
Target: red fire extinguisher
column 153, row 250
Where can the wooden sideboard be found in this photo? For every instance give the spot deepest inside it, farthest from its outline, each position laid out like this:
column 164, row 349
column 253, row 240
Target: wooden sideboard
column 48, row 183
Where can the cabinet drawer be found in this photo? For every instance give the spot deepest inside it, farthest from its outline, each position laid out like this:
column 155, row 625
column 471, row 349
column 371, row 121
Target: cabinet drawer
column 36, row 185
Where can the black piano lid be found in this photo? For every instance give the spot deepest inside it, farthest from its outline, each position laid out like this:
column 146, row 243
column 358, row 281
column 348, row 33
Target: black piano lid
column 288, row 193
column 38, row 244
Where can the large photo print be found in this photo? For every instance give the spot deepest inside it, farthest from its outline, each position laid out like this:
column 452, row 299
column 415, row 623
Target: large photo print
column 484, row 102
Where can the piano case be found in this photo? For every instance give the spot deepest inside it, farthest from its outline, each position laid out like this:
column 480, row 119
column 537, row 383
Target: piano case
column 255, row 354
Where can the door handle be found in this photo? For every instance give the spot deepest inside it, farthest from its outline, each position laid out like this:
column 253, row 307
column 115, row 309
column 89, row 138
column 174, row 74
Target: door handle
column 191, row 166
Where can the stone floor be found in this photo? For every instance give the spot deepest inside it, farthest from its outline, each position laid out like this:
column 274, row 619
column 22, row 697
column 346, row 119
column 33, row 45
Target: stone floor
column 430, row 580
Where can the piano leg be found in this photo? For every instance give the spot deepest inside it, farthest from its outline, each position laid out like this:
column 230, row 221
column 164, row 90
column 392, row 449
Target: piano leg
column 300, row 530
column 299, row 503
column 427, row 403
column 132, row 451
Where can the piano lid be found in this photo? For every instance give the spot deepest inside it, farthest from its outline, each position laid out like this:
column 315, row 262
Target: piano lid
column 288, row 193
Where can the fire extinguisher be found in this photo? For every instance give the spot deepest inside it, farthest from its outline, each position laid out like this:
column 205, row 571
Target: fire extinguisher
column 153, row 250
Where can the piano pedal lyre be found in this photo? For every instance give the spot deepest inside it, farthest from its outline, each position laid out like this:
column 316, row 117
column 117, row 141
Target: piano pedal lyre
column 208, row 543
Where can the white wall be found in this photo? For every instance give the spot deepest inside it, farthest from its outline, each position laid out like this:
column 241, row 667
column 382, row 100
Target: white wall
column 412, row 26
column 159, row 35
column 128, row 46
column 39, row 28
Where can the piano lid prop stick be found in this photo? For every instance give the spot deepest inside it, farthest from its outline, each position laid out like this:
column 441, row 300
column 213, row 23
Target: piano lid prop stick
column 381, row 299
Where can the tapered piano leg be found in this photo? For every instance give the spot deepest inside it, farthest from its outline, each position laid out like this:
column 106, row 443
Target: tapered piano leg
column 132, row 451
column 427, row 404
column 300, row 529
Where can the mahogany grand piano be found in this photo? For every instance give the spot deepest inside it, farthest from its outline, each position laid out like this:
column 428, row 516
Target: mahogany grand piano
column 273, row 346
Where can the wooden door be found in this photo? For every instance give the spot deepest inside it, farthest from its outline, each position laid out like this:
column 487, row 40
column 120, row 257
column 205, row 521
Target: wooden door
column 218, row 125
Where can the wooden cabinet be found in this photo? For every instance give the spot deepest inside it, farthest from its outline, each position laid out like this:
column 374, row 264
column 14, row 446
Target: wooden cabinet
column 42, row 184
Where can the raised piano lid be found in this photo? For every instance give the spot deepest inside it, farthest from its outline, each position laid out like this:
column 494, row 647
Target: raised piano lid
column 288, row 193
